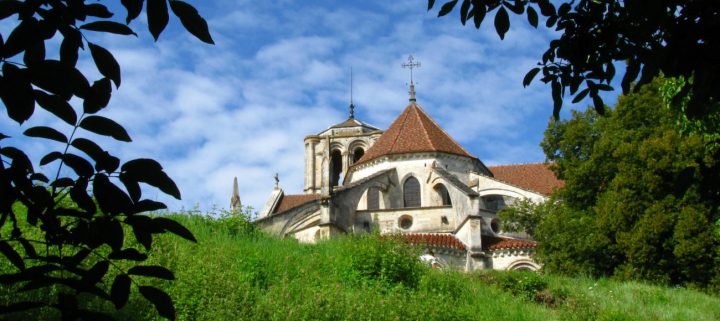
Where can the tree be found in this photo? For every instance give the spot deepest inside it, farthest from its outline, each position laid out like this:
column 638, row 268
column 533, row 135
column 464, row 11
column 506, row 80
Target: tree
column 674, row 38
column 57, row 235
column 639, row 199
column 525, row 215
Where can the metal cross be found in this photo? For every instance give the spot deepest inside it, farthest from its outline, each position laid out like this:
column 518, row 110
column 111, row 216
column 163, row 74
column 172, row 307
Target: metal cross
column 411, row 64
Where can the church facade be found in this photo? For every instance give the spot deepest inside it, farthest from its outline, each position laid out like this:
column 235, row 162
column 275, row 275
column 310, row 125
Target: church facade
column 412, row 180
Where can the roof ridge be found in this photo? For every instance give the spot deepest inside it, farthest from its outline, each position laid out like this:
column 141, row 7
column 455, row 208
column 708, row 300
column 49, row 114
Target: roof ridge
column 397, row 136
column 441, row 129
column 419, row 110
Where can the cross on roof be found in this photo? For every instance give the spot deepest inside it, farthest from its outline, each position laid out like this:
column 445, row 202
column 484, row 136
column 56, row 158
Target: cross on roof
column 411, row 64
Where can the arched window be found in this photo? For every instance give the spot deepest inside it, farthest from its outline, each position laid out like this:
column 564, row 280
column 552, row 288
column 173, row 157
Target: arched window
column 373, row 198
column 336, row 166
column 443, row 194
column 411, row 192
column 357, row 154
column 494, row 202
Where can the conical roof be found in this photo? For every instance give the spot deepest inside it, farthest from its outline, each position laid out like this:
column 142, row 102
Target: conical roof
column 413, row 132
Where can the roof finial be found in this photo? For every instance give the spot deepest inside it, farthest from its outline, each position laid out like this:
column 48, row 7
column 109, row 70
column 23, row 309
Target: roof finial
column 277, row 181
column 411, row 64
column 352, row 106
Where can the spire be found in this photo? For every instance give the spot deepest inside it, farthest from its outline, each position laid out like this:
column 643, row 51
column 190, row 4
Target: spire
column 411, row 64
column 235, row 203
column 352, row 106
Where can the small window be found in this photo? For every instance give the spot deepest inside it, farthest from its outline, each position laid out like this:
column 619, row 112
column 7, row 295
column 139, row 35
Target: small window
column 444, row 220
column 335, row 167
column 495, row 225
column 366, row 226
column 357, row 154
column 405, row 222
column 373, row 198
column 443, row 194
column 411, row 192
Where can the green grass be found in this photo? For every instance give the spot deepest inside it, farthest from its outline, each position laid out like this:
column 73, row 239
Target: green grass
column 233, row 273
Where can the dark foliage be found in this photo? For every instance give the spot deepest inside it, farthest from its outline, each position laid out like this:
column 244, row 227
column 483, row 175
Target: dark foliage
column 640, row 197
column 81, row 233
column 675, row 38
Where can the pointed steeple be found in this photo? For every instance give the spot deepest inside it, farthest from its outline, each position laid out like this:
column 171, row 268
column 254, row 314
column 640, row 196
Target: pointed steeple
column 235, row 203
column 352, row 106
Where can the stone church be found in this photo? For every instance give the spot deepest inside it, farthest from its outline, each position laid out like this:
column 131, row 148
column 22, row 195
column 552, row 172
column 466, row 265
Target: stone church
column 413, row 180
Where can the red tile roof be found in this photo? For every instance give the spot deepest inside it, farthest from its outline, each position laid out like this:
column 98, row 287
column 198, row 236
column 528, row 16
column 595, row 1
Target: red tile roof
column 412, row 132
column 289, row 201
column 493, row 243
column 535, row 176
column 446, row 241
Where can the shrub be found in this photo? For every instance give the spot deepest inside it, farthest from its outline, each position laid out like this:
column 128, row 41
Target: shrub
column 382, row 259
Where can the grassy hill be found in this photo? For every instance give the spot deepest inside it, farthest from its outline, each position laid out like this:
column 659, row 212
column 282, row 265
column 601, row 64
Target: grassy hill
column 236, row 273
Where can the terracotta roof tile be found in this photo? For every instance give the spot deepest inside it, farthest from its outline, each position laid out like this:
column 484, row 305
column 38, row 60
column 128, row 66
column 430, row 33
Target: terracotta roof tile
column 412, row 132
column 290, row 201
column 536, row 176
column 446, row 241
column 493, row 243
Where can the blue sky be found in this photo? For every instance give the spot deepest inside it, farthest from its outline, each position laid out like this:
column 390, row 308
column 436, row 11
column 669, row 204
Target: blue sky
column 280, row 71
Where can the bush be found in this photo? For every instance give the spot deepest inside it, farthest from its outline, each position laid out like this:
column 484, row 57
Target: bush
column 382, row 259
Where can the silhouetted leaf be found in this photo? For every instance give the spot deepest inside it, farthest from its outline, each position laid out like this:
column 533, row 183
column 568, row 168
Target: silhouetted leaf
column 532, row 16
column 564, row 9
column 148, row 206
column 81, row 166
column 120, row 291
column 88, row 147
column 174, row 227
column 111, row 232
column 50, row 157
column 557, row 99
column 515, row 7
column 431, row 3
column 155, row 271
column 502, row 22
column 72, row 42
column 63, row 182
column 79, row 194
column 34, row 52
column 39, row 177
column 546, row 8
column 8, row 8
column 108, row 26
column 97, row 10
column 19, row 158
column 98, row 97
column 46, row 132
column 142, row 229
column 529, row 76
column 128, row 254
column 12, row 255
column 105, row 62
column 57, row 106
column 25, row 34
column 479, row 13
column 112, row 199
column 191, row 20
column 447, row 7
column 580, row 95
column 134, row 7
column 29, row 248
column 632, row 71
column 598, row 104
column 162, row 302
column 105, row 126
column 132, row 186
column 149, row 171
column 60, row 78
column 464, row 8
column 16, row 93
column 96, row 273
column 157, row 16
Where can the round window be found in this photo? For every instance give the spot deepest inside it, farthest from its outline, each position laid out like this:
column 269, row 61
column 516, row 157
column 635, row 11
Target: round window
column 405, row 221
